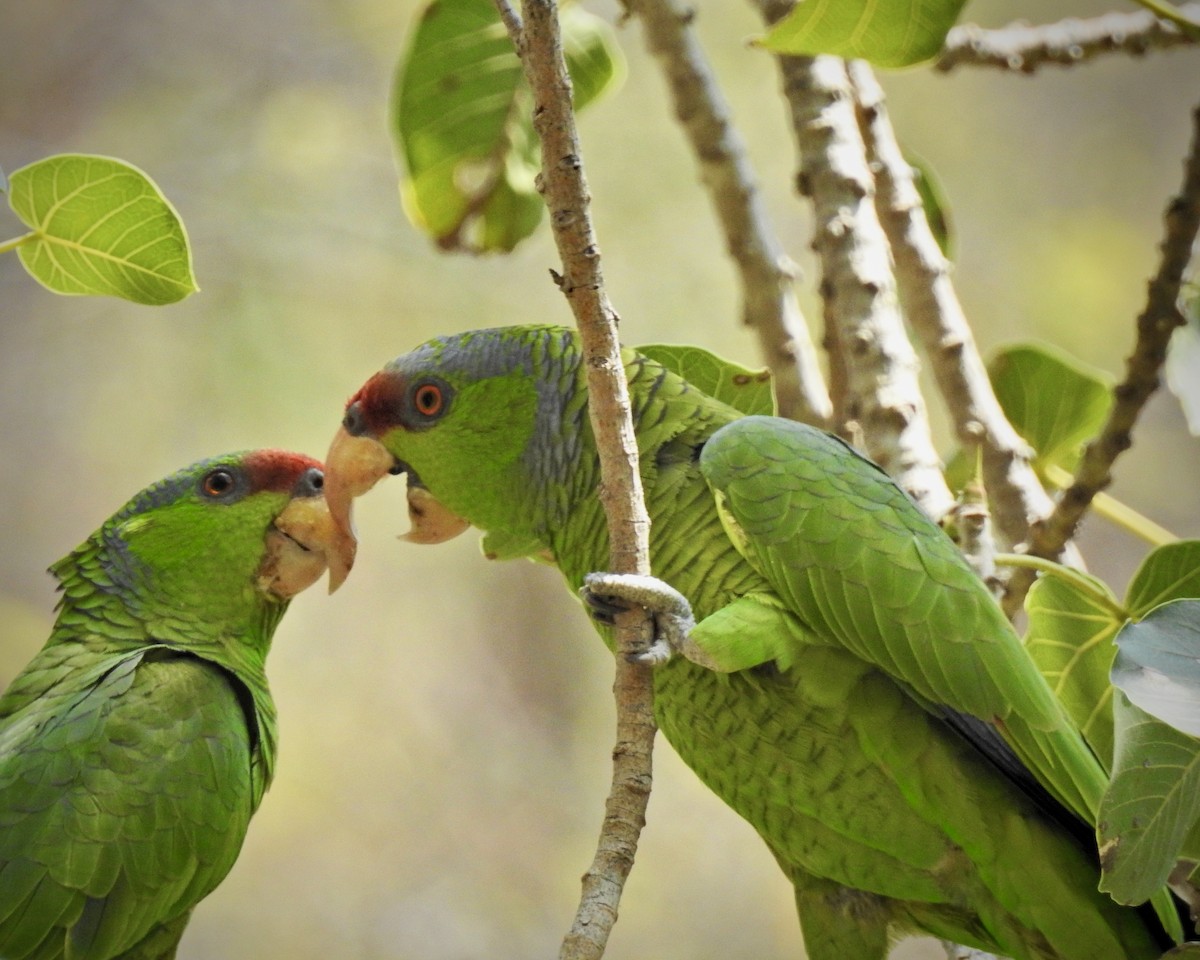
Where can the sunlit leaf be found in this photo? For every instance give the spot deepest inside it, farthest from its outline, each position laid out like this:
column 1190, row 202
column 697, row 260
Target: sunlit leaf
column 747, row 390
column 1158, row 664
column 1054, row 401
column 1150, row 806
column 100, row 226
column 461, row 121
column 1172, row 572
column 888, row 33
column 1072, row 622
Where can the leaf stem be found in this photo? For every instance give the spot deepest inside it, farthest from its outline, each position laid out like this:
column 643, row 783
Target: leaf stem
column 1113, row 510
column 1168, row 11
column 17, row 241
column 1070, row 575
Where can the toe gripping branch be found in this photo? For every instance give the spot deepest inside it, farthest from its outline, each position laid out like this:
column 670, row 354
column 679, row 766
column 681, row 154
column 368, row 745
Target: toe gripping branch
column 669, row 614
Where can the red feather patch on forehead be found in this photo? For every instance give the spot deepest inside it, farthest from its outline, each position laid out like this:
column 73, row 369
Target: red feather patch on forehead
column 381, row 400
column 277, row 470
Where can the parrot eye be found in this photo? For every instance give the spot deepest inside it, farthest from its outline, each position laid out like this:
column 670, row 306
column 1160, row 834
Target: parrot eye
column 428, row 399
column 217, row 483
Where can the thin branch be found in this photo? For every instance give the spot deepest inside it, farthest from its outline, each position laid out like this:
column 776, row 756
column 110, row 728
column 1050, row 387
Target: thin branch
column 1158, row 320
column 936, row 315
column 1022, row 48
column 564, row 187
column 870, row 354
column 769, row 304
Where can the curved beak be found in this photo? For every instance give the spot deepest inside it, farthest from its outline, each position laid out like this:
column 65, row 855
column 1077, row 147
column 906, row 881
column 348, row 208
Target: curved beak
column 301, row 544
column 352, row 467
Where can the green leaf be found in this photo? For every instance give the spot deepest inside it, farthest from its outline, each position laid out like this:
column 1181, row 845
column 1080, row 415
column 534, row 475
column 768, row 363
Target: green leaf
column 1172, row 572
column 888, row 33
column 461, row 121
column 1158, row 664
column 3, row 181
column 937, row 208
column 100, row 227
column 1072, row 622
column 747, row 390
column 1150, row 806
column 1055, row 402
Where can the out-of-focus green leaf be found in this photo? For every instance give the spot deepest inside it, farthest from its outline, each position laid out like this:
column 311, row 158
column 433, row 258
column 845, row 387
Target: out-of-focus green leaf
column 1054, row 401
column 461, row 121
column 1183, row 359
column 1158, row 664
column 1070, row 634
column 101, row 226
column 937, row 208
column 1150, row 806
column 747, row 390
column 3, row 181
column 888, row 33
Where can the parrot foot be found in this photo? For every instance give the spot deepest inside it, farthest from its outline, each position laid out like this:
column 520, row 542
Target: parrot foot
column 670, row 613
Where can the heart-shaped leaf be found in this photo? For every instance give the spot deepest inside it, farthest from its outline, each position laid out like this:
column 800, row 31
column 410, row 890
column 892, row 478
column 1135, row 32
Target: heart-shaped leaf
column 888, row 33
column 1072, row 622
column 1150, row 806
column 100, row 226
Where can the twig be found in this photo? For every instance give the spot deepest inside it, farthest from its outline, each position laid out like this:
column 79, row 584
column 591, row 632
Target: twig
column 870, row 350
column 936, row 315
column 1155, row 324
column 769, row 304
column 564, row 187
column 1023, row 48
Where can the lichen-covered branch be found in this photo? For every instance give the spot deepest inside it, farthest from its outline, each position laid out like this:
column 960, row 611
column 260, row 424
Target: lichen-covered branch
column 872, row 361
column 1023, row 48
column 1157, row 321
column 564, row 187
column 934, row 312
column 769, row 304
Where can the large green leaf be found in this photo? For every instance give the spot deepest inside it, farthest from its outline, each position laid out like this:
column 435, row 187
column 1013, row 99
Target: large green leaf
column 1172, row 572
column 741, row 387
column 1072, row 621
column 1053, row 400
column 100, row 226
column 1150, row 806
column 888, row 33
column 461, row 121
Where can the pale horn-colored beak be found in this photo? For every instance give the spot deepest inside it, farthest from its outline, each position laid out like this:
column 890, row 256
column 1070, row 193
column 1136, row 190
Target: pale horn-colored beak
column 352, row 467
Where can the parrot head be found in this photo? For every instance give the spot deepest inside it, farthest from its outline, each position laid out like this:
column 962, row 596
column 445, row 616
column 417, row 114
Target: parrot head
column 478, row 422
column 242, row 530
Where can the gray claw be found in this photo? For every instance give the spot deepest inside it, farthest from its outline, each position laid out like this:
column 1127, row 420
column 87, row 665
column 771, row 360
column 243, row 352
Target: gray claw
column 670, row 612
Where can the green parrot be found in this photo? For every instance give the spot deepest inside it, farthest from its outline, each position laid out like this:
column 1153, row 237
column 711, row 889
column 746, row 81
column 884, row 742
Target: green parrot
column 138, row 742
column 827, row 663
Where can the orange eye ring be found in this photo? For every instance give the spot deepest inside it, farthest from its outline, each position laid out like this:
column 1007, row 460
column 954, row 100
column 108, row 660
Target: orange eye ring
column 428, row 399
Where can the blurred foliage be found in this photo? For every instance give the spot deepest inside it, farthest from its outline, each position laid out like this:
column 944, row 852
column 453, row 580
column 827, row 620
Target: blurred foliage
column 887, row 33
column 445, row 723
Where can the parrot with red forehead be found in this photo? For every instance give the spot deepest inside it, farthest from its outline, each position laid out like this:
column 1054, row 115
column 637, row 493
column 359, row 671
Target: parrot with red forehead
column 138, row 742
column 826, row 662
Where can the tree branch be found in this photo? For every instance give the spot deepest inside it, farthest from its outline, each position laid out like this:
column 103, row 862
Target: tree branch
column 936, row 315
column 1157, row 321
column 1023, row 48
column 564, row 187
column 769, row 304
column 871, row 357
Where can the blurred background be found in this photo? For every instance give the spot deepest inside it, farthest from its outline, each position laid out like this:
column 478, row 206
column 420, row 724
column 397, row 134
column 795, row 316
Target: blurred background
column 446, row 722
